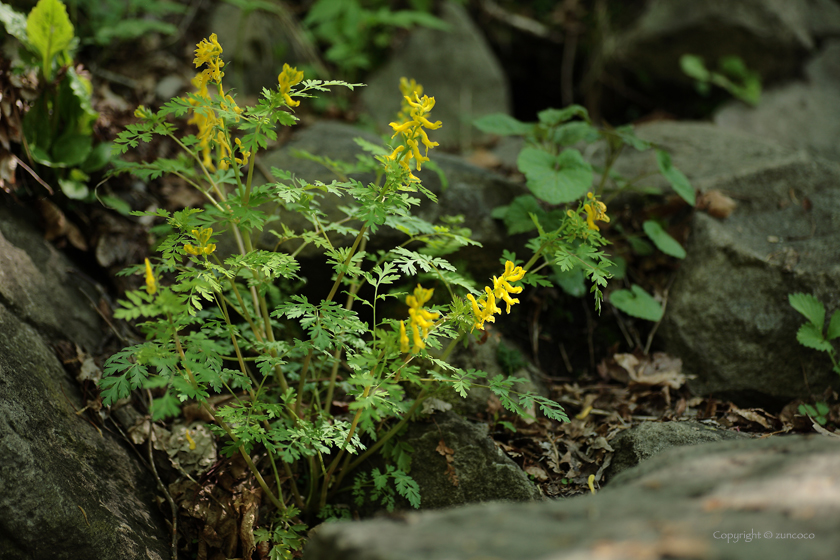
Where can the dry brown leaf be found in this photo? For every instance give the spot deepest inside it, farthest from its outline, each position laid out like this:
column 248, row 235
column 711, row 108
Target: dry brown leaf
column 449, row 454
column 716, row 204
column 537, row 472
column 657, row 369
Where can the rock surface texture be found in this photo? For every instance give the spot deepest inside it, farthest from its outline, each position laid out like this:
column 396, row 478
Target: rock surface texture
column 480, row 471
column 728, row 316
column 771, row 36
column 774, row 498
column 642, row 442
column 804, row 114
column 456, row 67
column 67, row 490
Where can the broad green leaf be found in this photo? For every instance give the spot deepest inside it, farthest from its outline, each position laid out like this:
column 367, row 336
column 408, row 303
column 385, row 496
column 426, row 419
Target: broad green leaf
column 553, row 117
column 833, row 326
column 14, row 22
column 571, row 133
column 811, row 336
column 662, row 240
column 573, row 281
column 517, row 218
column 98, row 158
column 810, row 307
column 628, row 136
column 49, row 30
column 71, row 149
column 503, row 125
column 555, row 179
column 693, row 67
column 678, row 181
column 73, row 189
column 637, row 303
column 640, row 246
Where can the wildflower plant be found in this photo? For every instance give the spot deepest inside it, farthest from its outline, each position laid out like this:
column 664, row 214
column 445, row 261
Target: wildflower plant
column 558, row 177
column 217, row 323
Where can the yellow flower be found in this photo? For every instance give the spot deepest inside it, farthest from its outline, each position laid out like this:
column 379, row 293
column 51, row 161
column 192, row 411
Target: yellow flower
column 204, row 248
column 412, row 120
column 595, row 210
column 485, row 307
column 289, row 77
column 207, row 50
column 420, row 320
column 151, row 287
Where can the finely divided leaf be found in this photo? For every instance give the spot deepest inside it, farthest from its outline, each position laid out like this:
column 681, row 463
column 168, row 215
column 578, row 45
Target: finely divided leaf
column 662, row 240
column 811, row 308
column 637, row 303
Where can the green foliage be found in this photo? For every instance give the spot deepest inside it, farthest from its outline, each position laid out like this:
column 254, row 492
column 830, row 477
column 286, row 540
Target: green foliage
column 662, row 240
column 811, row 334
column 557, row 175
column 355, row 32
column 818, row 412
column 104, row 22
column 382, row 487
column 638, row 303
column 733, row 76
column 59, row 124
column 226, row 323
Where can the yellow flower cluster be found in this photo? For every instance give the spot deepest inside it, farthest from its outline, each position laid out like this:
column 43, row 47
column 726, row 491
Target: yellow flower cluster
column 211, row 129
column 595, row 210
column 204, row 248
column 414, row 118
column 289, row 77
column 409, row 88
column 420, row 320
column 151, row 287
column 485, row 307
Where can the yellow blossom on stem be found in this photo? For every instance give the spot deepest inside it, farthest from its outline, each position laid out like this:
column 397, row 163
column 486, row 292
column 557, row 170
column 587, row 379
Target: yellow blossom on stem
column 485, row 307
column 289, row 77
column 151, row 286
column 420, row 320
column 595, row 210
column 204, row 248
column 412, row 120
column 207, row 50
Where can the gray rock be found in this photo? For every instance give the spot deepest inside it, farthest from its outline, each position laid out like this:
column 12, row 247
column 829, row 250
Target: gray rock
column 67, row 490
column 456, row 67
column 472, row 192
column 680, row 504
column 728, row 316
column 40, row 286
column 484, row 473
column 642, row 442
column 801, row 115
column 263, row 47
column 771, row 36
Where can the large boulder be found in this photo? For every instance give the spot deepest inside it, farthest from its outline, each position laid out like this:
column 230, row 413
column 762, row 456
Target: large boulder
column 455, row 462
column 68, row 489
column 456, row 67
column 771, row 36
column 803, row 114
column 773, row 498
column 642, row 442
column 728, row 316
